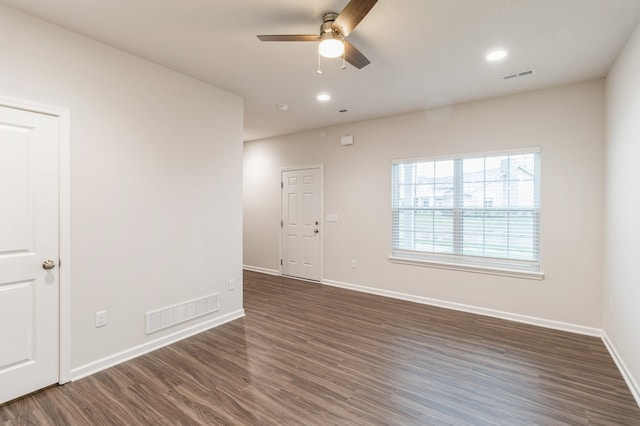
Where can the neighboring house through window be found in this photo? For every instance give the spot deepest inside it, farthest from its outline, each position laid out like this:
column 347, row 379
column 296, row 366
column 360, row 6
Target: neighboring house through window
column 479, row 210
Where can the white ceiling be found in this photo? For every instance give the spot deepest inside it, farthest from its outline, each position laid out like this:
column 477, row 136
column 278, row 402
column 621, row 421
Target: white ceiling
column 424, row 53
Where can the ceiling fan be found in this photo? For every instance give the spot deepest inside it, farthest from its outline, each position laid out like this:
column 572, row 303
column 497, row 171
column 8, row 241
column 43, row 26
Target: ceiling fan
column 334, row 30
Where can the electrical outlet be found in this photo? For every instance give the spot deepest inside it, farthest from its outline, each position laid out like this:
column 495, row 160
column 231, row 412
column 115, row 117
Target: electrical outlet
column 354, row 263
column 101, row 319
column 232, row 284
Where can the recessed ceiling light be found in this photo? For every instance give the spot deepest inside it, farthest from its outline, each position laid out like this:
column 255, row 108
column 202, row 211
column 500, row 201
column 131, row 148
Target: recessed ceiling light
column 323, row 97
column 496, row 55
column 283, row 107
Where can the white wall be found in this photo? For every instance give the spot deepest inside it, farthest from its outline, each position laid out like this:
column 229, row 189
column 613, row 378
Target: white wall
column 566, row 122
column 622, row 209
column 156, row 170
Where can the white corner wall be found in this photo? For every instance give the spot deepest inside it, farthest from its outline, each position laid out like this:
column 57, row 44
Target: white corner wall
column 566, row 122
column 621, row 295
column 156, row 181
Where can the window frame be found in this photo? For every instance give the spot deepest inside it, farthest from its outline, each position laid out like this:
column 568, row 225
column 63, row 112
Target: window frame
column 531, row 269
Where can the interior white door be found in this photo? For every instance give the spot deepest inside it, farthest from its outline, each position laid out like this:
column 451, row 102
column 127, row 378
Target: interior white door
column 28, row 240
column 301, row 224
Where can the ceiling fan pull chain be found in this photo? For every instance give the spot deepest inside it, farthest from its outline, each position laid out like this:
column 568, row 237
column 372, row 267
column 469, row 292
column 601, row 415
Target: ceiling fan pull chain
column 344, row 62
column 319, row 68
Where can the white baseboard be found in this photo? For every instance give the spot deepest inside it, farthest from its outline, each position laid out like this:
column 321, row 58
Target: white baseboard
column 557, row 325
column 626, row 374
column 261, row 270
column 126, row 355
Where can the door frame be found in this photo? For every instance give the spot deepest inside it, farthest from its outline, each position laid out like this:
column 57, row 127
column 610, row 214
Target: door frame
column 322, row 227
column 64, row 218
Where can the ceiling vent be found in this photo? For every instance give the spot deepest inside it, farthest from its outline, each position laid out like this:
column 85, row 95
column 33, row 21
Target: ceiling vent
column 515, row 75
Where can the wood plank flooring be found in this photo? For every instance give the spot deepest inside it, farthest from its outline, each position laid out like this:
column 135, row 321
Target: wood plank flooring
column 308, row 354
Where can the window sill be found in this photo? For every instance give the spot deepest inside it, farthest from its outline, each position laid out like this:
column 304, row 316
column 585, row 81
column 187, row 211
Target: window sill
column 531, row 275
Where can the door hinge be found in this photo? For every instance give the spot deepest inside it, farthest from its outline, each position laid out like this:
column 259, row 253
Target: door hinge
column 280, row 262
column 281, row 185
column 281, row 224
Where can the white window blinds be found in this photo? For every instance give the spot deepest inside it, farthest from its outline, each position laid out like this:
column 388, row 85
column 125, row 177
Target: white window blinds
column 476, row 210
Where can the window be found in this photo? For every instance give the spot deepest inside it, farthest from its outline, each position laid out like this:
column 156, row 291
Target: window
column 476, row 211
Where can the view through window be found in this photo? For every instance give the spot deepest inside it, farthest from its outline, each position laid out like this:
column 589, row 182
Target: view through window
column 479, row 210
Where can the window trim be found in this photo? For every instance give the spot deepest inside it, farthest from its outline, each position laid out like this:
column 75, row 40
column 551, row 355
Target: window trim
column 469, row 263
column 481, row 269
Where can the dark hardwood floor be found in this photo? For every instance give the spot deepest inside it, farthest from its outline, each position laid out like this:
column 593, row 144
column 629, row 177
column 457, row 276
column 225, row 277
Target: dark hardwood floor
column 308, row 354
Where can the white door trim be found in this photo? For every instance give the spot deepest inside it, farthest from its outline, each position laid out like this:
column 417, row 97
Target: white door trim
column 64, row 206
column 293, row 168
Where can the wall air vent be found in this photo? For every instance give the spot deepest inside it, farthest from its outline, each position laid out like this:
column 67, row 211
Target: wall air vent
column 176, row 314
column 515, row 75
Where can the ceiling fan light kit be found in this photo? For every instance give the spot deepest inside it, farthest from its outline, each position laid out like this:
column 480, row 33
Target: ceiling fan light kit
column 331, row 45
column 334, row 30
column 331, row 42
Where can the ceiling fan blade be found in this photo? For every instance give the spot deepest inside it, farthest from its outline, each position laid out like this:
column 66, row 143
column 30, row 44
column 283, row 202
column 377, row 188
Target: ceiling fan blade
column 351, row 15
column 354, row 56
column 289, row 37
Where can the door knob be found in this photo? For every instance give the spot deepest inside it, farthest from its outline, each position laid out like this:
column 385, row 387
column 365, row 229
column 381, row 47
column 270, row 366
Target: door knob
column 315, row 231
column 48, row 264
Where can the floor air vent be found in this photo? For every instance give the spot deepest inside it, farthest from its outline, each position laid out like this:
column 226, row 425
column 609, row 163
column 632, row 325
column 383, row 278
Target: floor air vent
column 176, row 314
column 519, row 74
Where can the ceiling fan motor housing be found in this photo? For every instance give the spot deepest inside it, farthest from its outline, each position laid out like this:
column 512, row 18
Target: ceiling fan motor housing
column 327, row 23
